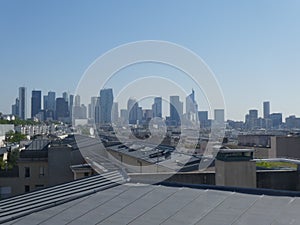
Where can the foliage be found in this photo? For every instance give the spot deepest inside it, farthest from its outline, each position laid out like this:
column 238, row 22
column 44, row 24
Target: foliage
column 13, row 157
column 274, row 165
column 18, row 121
column 14, row 137
column 11, row 160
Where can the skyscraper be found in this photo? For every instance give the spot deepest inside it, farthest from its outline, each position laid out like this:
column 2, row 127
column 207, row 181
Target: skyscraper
column 77, row 100
column 61, row 109
column 36, row 101
column 115, row 112
column 51, row 105
column 71, row 106
column 219, row 116
column 15, row 108
column 203, row 118
column 124, row 116
column 106, row 103
column 45, row 102
column 176, row 109
column 97, row 110
column 191, row 107
column 157, row 107
column 276, row 119
column 22, row 103
column 94, row 101
column 252, row 119
column 132, row 109
column 266, row 108
column 65, row 96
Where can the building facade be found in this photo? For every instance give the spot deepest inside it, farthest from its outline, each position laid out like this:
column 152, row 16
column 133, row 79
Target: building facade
column 22, row 103
column 36, row 102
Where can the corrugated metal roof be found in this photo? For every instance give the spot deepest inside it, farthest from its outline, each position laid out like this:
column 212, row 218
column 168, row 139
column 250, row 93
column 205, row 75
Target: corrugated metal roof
column 147, row 204
column 36, row 201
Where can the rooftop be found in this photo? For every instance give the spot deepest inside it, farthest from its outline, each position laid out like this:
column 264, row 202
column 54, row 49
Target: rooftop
column 152, row 204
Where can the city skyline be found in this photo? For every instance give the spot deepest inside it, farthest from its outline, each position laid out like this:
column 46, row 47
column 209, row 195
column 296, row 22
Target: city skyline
column 63, row 106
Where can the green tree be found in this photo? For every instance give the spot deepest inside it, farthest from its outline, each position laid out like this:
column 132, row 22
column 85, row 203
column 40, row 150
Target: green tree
column 14, row 137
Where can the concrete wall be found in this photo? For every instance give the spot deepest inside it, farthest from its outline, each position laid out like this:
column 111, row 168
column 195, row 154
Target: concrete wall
column 284, row 146
column 188, row 178
column 280, row 180
column 236, row 173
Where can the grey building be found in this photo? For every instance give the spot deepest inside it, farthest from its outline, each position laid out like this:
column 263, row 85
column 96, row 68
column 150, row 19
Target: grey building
column 62, row 111
column 157, row 107
column 77, row 100
column 93, row 104
column 51, row 103
column 115, row 112
column 292, row 122
column 252, row 119
column 22, row 103
column 65, row 96
column 79, row 112
column 36, row 102
column 106, row 103
column 266, row 109
column 191, row 107
column 124, row 116
column 219, row 116
column 176, row 110
column 71, row 105
column 276, row 119
column 203, row 118
column 15, row 108
column 132, row 109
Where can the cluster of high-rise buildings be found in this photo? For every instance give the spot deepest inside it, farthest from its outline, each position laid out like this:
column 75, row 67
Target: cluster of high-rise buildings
column 62, row 108
column 103, row 110
column 267, row 121
column 134, row 114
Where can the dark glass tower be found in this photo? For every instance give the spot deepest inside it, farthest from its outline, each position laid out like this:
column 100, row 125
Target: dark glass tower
column 22, row 103
column 106, row 103
column 36, row 101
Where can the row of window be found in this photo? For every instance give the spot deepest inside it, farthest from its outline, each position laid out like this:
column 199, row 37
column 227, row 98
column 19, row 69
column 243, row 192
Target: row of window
column 41, row 171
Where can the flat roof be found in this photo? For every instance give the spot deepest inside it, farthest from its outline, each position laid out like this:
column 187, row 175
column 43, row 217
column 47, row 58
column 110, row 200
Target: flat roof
column 155, row 204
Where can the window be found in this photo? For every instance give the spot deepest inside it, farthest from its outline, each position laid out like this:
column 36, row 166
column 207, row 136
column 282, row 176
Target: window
column 27, row 188
column 27, row 171
column 86, row 174
column 42, row 171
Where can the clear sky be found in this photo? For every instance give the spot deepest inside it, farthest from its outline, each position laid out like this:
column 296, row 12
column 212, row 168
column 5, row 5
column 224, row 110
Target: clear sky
column 253, row 47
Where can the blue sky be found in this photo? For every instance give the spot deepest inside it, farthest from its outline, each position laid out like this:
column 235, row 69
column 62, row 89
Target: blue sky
column 253, row 47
